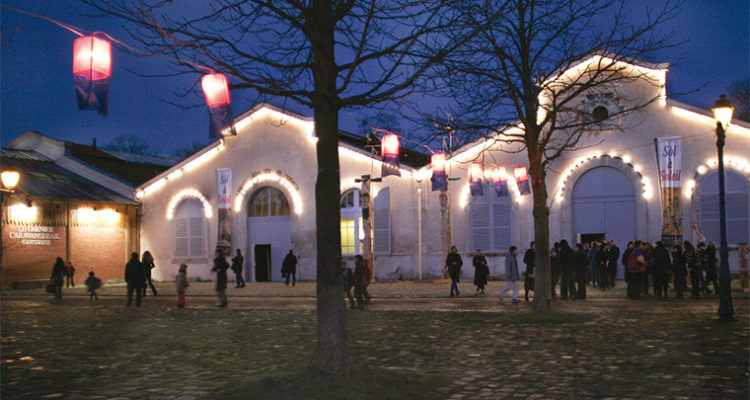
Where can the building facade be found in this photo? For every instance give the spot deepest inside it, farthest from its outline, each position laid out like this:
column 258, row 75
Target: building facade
column 255, row 192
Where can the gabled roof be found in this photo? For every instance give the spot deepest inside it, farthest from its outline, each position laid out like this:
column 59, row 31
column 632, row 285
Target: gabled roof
column 42, row 178
column 131, row 168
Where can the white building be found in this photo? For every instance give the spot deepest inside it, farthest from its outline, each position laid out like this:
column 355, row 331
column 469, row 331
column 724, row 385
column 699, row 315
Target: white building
column 607, row 189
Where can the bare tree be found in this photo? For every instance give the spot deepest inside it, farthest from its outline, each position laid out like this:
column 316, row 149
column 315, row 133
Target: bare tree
column 513, row 75
column 323, row 54
column 129, row 144
column 739, row 92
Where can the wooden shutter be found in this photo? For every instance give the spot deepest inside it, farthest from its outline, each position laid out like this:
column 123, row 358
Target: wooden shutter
column 501, row 225
column 381, row 221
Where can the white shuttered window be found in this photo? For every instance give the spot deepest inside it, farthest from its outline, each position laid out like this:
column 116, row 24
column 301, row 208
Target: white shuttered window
column 491, row 221
column 189, row 230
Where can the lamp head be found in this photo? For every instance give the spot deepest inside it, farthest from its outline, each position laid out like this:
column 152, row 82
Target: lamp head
column 723, row 111
column 10, row 179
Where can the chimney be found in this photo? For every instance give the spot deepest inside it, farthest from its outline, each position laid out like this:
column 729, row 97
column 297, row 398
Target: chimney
column 93, row 143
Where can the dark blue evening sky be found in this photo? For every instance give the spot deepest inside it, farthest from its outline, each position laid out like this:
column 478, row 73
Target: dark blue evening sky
column 37, row 85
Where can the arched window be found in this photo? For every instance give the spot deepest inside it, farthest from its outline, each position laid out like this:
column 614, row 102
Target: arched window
column 268, row 202
column 190, row 229
column 491, row 221
column 737, row 197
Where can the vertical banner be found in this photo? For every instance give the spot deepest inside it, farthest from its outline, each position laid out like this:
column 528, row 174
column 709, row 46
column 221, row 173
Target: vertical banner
column 224, row 238
column 669, row 162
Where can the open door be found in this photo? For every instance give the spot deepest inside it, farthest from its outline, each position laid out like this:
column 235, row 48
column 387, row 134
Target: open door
column 262, row 262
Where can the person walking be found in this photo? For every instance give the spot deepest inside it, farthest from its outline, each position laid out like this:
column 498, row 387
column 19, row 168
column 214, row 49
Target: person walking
column 662, row 267
column 237, row 265
column 359, row 280
column 70, row 271
column 567, row 263
column 512, row 276
column 679, row 270
column 481, row 271
column 93, row 283
column 148, row 264
column 57, row 277
column 181, row 283
column 289, row 267
column 581, row 270
column 453, row 264
column 220, row 267
column 529, row 258
column 348, row 280
column 135, row 278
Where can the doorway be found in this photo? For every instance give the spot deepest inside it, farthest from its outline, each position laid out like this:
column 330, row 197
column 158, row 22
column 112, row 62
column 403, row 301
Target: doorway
column 590, row 237
column 262, row 262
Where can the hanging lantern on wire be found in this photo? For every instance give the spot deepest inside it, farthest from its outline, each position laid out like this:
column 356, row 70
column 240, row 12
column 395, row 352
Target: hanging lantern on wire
column 389, row 149
column 500, row 181
column 439, row 177
column 475, row 179
column 216, row 90
column 92, row 67
column 522, row 180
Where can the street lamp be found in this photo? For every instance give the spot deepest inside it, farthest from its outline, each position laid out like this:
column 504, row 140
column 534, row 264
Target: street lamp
column 723, row 115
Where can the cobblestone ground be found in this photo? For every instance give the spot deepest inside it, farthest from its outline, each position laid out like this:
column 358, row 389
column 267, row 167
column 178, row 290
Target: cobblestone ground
column 603, row 347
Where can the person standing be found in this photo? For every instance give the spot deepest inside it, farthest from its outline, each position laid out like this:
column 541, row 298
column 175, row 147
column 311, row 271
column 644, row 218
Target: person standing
column 237, row 265
column 626, row 272
column 220, row 267
column 481, row 271
column 181, row 283
column 529, row 258
column 57, row 277
column 612, row 257
column 710, row 266
column 567, row 263
column 512, row 276
column 93, row 283
column 453, row 264
column 70, row 270
column 694, row 267
column 679, row 270
column 554, row 266
column 593, row 251
column 135, row 278
column 636, row 268
column 289, row 267
column 581, row 270
column 662, row 266
column 601, row 265
column 359, row 280
column 148, row 264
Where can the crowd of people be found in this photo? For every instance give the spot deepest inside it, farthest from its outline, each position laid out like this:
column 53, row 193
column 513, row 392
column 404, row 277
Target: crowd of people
column 648, row 269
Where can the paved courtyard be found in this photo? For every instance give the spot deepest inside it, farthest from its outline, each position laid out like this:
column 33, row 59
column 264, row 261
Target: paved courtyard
column 478, row 347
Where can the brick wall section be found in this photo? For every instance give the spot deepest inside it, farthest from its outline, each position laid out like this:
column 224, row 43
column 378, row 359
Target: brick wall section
column 28, row 262
column 104, row 250
column 99, row 249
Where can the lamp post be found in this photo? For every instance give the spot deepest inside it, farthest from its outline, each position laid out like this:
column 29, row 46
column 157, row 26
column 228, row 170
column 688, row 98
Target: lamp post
column 723, row 115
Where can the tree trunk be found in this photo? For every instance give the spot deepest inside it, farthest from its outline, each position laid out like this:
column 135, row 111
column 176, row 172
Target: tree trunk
column 543, row 287
column 332, row 344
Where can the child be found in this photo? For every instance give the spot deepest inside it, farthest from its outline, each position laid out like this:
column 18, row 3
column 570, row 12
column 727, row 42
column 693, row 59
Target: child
column 181, row 283
column 93, row 283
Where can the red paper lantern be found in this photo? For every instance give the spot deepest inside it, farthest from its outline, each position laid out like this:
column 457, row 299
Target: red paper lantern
column 389, row 145
column 438, row 162
column 499, row 174
column 92, row 58
column 216, row 89
column 475, row 172
column 521, row 174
